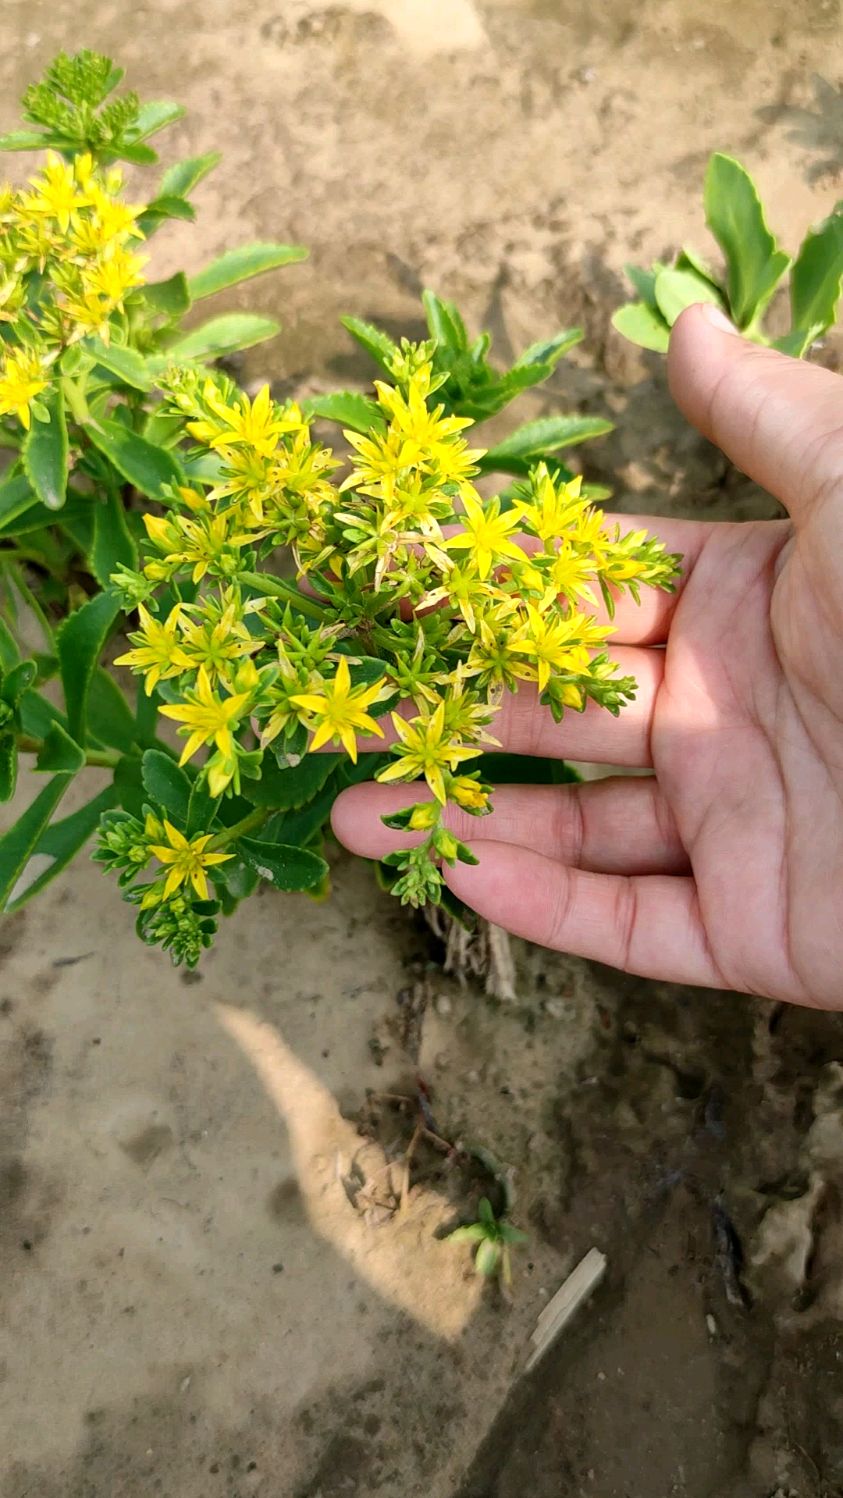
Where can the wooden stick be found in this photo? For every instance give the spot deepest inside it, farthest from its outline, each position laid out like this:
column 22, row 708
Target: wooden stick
column 579, row 1285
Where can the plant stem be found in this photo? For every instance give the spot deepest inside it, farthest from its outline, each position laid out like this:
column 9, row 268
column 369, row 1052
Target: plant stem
column 247, row 824
column 277, row 587
column 106, row 758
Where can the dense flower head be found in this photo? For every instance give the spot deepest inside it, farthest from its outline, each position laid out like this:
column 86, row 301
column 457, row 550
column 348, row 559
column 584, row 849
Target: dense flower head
column 68, row 260
column 414, row 596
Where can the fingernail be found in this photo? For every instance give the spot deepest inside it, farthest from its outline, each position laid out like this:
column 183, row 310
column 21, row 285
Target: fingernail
column 718, row 319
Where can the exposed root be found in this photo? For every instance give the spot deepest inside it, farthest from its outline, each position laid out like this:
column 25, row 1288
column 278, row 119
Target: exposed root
column 485, row 953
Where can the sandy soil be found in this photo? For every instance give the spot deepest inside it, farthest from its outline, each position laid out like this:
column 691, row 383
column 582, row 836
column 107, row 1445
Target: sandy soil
column 200, row 1294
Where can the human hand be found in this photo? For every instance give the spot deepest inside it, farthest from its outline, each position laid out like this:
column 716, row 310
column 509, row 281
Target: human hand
column 725, row 866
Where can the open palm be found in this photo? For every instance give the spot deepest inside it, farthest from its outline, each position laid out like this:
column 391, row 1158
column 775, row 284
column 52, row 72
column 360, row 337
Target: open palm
column 725, row 867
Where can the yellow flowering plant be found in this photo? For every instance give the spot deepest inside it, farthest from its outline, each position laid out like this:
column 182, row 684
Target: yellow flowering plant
column 296, row 618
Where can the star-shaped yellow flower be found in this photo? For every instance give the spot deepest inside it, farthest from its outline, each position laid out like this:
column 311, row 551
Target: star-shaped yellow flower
column 187, row 860
column 339, row 712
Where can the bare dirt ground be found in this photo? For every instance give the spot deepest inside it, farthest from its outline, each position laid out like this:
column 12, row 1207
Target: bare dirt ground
column 203, row 1289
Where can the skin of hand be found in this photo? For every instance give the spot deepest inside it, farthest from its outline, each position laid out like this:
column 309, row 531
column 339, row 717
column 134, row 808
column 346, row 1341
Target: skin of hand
column 724, row 867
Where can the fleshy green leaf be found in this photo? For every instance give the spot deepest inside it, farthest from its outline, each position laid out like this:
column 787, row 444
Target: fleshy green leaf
column 23, row 140
column 61, row 841
column 148, row 467
column 180, row 178
column 473, row 1232
column 488, row 1256
column 445, row 323
column 113, row 545
column 549, row 350
column 81, row 641
column 60, row 753
column 126, row 363
column 640, row 324
column 736, row 219
column 155, row 116
column 111, row 721
column 377, row 344
column 44, row 451
column 537, row 438
column 644, row 282
column 224, row 335
column 8, row 767
column 677, row 289
column 240, row 265
column 288, row 789
column 16, row 497
column 171, row 298
column 816, row 279
column 282, row 866
column 18, row 844
column 347, row 408
column 166, row 784
column 160, row 209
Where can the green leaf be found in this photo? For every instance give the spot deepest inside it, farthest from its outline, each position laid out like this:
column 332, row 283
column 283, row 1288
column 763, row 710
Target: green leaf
column 166, row 784
column 240, row 265
column 171, row 298
column 488, row 1257
column 160, row 209
column 795, row 342
column 110, row 719
column 677, row 289
column 347, row 408
column 61, row 841
column 16, row 498
column 60, row 753
column 18, row 680
column 44, row 451
column 23, row 140
column 18, row 844
column 155, row 116
column 445, row 323
column 180, row 178
column 8, row 767
column 537, row 438
column 377, row 344
column 282, row 866
column 38, row 715
column 288, row 789
column 817, row 278
column 644, row 282
column 81, row 641
column 688, row 259
column 640, row 324
column 549, row 350
column 473, row 1232
column 126, row 363
column 736, row 219
column 224, row 335
column 113, row 545
column 148, row 467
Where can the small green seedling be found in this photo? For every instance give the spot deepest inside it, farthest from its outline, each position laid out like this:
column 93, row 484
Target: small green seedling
column 492, row 1236
column 755, row 267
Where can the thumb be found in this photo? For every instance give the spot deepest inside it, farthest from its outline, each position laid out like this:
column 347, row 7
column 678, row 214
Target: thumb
column 779, row 420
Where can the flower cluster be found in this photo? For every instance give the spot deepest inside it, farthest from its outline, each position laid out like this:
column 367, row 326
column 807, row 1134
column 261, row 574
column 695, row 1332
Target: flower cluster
column 67, row 263
column 413, row 596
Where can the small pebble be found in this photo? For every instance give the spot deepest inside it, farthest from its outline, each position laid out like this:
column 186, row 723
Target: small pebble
column 443, row 1006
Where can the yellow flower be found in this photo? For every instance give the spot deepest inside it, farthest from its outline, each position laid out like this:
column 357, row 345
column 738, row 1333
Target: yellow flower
column 559, row 643
column 207, row 718
column 56, row 193
column 426, row 750
column 187, row 860
column 157, row 651
column 340, row 711
column 486, row 534
column 217, row 644
column 423, row 432
column 554, row 507
column 254, row 424
column 23, row 378
column 469, row 794
column 114, row 275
